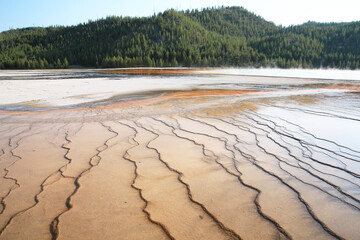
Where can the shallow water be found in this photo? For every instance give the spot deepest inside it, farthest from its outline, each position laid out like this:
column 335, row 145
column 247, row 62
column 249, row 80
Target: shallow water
column 202, row 156
column 56, row 89
column 331, row 74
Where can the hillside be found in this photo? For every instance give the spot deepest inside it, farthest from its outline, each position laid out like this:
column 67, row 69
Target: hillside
column 228, row 36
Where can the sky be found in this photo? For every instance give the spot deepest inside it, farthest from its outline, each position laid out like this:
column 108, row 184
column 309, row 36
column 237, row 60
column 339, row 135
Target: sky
column 43, row 13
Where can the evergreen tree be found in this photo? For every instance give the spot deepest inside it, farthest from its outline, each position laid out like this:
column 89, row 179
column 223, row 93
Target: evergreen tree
column 66, row 63
column 226, row 36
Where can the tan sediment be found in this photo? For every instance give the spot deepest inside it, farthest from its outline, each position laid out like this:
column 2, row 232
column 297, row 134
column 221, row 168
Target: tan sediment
column 29, row 166
column 175, row 210
column 276, row 200
column 105, row 201
column 89, row 138
column 187, row 191
column 225, row 202
column 35, row 222
column 187, row 165
column 8, row 142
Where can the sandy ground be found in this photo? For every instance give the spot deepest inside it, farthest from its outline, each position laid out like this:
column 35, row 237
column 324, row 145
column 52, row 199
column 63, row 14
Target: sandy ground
column 248, row 163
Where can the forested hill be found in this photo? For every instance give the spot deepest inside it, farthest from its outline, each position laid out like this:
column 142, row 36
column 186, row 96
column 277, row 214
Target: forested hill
column 227, row 36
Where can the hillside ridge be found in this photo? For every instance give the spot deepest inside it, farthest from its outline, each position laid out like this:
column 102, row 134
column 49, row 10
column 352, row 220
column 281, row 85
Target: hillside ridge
column 225, row 36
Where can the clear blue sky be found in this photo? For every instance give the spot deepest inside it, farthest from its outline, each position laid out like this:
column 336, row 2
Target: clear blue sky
column 29, row 13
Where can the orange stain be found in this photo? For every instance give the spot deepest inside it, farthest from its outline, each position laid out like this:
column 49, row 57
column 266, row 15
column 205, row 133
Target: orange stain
column 150, row 71
column 355, row 88
column 177, row 95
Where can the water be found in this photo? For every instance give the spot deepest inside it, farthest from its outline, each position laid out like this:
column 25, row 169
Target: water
column 205, row 155
column 297, row 73
column 50, row 89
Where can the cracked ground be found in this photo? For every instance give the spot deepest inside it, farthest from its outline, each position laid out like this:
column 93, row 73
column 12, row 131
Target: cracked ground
column 211, row 164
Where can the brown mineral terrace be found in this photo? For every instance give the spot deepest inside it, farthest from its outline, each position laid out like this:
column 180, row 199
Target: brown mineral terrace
column 204, row 164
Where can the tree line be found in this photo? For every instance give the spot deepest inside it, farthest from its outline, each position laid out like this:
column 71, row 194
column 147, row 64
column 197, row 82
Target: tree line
column 225, row 36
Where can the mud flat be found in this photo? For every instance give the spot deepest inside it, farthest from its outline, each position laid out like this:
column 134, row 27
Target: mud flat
column 202, row 156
